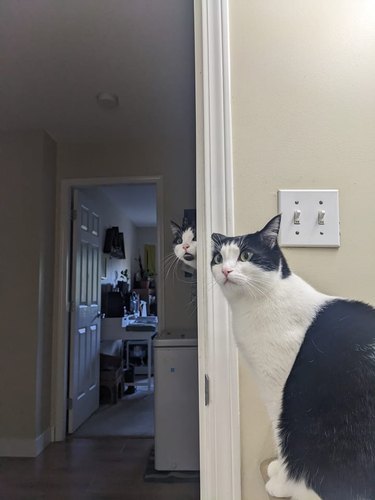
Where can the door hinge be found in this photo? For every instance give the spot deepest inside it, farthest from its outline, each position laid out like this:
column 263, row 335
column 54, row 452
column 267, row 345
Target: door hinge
column 70, row 403
column 73, row 214
column 206, row 390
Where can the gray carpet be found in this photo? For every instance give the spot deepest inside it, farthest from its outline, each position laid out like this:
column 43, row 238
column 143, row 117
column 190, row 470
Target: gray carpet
column 132, row 416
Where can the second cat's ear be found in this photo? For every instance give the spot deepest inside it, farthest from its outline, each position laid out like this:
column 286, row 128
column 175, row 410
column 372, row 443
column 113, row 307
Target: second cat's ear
column 270, row 231
column 217, row 240
column 175, row 228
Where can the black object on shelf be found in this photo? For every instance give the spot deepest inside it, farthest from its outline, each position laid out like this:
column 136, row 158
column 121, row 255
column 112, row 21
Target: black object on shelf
column 114, row 243
column 113, row 305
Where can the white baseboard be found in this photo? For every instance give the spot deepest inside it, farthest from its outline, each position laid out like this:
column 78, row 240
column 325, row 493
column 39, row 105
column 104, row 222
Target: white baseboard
column 28, row 447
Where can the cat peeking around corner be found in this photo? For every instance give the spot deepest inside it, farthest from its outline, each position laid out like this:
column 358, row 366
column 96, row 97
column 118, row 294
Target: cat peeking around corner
column 313, row 358
column 185, row 244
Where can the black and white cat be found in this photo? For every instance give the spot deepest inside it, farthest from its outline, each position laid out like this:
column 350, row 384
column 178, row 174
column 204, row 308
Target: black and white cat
column 313, row 357
column 185, row 244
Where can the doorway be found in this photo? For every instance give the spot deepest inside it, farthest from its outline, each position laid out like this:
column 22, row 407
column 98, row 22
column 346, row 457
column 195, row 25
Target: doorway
column 128, row 234
column 64, row 285
column 160, row 279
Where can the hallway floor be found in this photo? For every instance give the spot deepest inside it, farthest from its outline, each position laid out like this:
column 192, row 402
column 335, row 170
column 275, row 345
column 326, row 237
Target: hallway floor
column 88, row 469
column 132, row 416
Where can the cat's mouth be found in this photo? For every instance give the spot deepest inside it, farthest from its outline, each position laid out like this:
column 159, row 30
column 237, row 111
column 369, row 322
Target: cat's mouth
column 188, row 256
column 229, row 281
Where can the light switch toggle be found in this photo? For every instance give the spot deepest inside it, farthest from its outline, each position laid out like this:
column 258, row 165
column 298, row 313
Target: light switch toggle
column 296, row 217
column 321, row 216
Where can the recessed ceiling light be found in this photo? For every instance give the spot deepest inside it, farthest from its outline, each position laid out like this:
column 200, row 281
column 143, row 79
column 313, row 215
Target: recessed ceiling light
column 107, row 100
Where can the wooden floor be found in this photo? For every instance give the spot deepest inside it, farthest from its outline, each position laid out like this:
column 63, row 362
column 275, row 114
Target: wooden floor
column 88, row 469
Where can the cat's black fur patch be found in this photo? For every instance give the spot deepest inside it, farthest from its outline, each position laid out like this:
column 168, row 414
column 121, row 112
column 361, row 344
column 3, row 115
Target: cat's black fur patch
column 265, row 257
column 327, row 423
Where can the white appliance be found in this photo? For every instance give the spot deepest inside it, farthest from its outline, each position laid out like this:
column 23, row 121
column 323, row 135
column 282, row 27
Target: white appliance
column 176, row 401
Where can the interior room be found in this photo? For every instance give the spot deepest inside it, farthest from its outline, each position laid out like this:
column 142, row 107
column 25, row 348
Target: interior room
column 220, row 105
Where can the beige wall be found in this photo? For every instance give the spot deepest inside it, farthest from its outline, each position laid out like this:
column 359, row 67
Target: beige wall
column 175, row 161
column 303, row 104
column 146, row 236
column 27, row 198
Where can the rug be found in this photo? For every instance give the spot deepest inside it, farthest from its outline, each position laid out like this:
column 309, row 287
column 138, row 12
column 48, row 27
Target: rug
column 132, row 416
column 155, row 476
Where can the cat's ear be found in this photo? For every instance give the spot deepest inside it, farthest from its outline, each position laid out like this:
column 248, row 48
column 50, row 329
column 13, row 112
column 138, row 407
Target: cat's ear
column 270, row 231
column 217, row 240
column 175, row 228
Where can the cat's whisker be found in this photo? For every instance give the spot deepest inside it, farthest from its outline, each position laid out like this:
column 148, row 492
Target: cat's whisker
column 174, row 270
column 176, row 277
column 251, row 289
column 170, row 256
column 188, row 281
column 192, row 303
column 257, row 289
column 194, row 309
column 168, row 270
column 211, row 284
column 169, row 263
column 171, row 268
column 169, row 259
column 245, row 282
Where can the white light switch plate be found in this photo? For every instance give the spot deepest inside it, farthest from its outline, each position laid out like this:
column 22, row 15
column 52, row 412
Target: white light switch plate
column 309, row 233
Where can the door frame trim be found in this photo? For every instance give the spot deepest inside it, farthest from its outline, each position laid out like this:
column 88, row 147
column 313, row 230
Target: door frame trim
column 220, row 450
column 60, row 350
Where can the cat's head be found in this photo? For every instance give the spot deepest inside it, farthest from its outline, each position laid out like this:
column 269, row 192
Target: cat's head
column 184, row 244
column 248, row 264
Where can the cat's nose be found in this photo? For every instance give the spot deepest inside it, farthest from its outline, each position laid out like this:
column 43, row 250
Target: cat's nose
column 226, row 271
column 185, row 246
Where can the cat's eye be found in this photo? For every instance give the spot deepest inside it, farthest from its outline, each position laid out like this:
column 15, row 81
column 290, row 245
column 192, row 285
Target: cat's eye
column 245, row 256
column 218, row 259
column 179, row 241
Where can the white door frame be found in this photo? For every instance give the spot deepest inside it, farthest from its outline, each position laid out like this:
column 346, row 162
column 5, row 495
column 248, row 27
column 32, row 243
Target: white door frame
column 60, row 351
column 220, row 449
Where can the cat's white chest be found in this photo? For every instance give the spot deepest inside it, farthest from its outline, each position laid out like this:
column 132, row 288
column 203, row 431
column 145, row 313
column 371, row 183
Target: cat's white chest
column 269, row 333
column 270, row 351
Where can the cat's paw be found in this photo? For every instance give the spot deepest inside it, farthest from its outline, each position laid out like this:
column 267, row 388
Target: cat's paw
column 277, row 487
column 274, row 468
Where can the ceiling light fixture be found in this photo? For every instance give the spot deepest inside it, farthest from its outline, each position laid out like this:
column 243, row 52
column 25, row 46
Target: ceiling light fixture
column 107, row 100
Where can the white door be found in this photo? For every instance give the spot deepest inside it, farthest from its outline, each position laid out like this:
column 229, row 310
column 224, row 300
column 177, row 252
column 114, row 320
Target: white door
column 85, row 313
